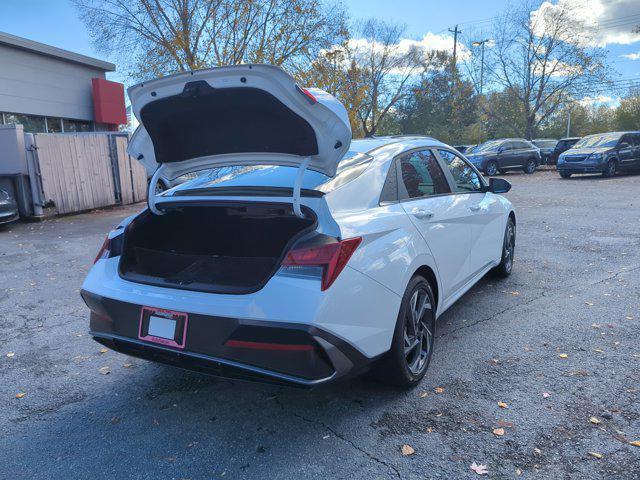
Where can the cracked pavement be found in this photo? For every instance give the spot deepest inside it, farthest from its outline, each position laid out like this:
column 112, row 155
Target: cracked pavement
column 575, row 292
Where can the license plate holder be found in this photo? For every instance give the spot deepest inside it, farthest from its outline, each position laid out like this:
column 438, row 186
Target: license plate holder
column 156, row 323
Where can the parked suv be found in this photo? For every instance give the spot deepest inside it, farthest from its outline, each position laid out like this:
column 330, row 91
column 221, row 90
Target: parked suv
column 495, row 156
column 546, row 146
column 604, row 153
column 563, row 145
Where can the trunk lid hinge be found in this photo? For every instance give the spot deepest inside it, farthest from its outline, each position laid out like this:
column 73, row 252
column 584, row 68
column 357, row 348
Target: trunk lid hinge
column 297, row 187
column 151, row 193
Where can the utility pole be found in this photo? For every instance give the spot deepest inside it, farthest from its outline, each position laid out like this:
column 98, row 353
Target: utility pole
column 569, row 124
column 455, row 32
column 480, row 43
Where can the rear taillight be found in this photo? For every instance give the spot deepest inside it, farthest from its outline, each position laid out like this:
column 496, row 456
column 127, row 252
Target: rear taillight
column 332, row 257
column 104, row 251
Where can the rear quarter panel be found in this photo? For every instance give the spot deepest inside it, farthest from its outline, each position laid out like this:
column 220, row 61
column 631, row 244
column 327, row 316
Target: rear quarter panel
column 391, row 250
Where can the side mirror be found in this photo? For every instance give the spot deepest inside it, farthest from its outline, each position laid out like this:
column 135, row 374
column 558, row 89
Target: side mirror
column 623, row 145
column 499, row 185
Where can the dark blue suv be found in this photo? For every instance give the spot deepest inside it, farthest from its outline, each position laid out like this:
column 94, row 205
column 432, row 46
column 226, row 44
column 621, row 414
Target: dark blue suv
column 495, row 156
column 604, row 153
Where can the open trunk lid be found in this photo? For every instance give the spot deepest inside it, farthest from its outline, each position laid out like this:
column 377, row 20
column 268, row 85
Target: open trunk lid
column 237, row 115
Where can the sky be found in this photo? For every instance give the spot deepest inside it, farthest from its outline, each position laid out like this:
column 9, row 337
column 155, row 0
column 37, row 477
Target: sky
column 55, row 22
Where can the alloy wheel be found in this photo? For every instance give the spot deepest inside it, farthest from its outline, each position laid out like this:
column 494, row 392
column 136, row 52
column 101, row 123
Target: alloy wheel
column 491, row 169
column 509, row 247
column 418, row 331
column 531, row 166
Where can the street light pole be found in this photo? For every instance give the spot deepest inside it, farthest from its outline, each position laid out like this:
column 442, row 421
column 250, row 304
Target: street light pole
column 480, row 43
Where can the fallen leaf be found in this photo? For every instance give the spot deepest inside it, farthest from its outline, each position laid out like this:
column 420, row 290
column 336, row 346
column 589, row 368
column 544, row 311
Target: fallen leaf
column 537, row 451
column 546, row 394
column 439, row 390
column 589, row 303
column 104, row 350
column 515, row 293
column 20, row 395
column 424, row 394
column 518, row 472
column 563, row 355
column 599, row 350
column 479, row 469
column 498, row 432
column 503, row 405
column 10, row 354
column 594, row 420
column 127, row 365
column 407, row 450
column 325, row 437
column 105, row 370
column 635, row 443
column 629, row 317
column 595, row 454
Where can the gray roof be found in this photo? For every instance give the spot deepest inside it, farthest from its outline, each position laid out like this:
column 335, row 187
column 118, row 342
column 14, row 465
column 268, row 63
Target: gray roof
column 49, row 51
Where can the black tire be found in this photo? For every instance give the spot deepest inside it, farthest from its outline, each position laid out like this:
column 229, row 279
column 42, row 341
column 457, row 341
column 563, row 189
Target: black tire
column 610, row 169
column 405, row 367
column 504, row 268
column 565, row 174
column 491, row 168
column 530, row 166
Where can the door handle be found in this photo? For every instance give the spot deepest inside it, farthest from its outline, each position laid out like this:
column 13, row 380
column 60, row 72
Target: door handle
column 421, row 213
column 474, row 208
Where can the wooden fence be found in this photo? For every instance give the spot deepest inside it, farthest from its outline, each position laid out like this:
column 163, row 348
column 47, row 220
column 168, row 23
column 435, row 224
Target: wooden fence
column 86, row 171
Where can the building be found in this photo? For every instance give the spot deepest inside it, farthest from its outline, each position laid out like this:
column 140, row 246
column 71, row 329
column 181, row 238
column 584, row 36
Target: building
column 47, row 89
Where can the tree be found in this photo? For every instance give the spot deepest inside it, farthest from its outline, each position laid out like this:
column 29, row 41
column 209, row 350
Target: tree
column 442, row 105
column 158, row 37
column 542, row 59
column 388, row 70
column 335, row 71
column 628, row 112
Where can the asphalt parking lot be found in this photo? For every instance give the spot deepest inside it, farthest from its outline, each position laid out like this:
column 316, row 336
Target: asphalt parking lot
column 557, row 344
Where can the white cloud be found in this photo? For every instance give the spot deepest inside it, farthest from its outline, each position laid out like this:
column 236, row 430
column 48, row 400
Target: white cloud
column 599, row 22
column 632, row 56
column 429, row 42
column 600, row 100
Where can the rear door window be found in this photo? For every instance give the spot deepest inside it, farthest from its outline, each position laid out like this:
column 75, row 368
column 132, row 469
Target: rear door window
column 420, row 175
column 465, row 177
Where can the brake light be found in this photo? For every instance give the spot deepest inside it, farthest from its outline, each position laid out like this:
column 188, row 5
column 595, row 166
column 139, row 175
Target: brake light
column 309, row 95
column 332, row 257
column 104, row 251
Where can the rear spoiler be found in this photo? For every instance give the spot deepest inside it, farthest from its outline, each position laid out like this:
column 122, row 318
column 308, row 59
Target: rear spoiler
column 295, row 199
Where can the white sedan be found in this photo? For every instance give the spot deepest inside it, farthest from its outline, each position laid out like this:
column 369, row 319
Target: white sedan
column 300, row 256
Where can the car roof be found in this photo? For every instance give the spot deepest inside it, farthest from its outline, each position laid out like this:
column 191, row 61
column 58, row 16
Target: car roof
column 368, row 145
column 570, row 138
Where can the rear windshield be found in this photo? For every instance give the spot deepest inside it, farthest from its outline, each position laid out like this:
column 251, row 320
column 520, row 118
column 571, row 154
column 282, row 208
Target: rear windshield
column 276, row 176
column 606, row 140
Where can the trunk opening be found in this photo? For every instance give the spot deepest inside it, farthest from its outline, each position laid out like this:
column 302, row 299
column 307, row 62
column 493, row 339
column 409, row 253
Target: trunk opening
column 219, row 248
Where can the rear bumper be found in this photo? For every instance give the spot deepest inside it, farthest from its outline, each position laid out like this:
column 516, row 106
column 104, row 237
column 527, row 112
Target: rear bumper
column 232, row 347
